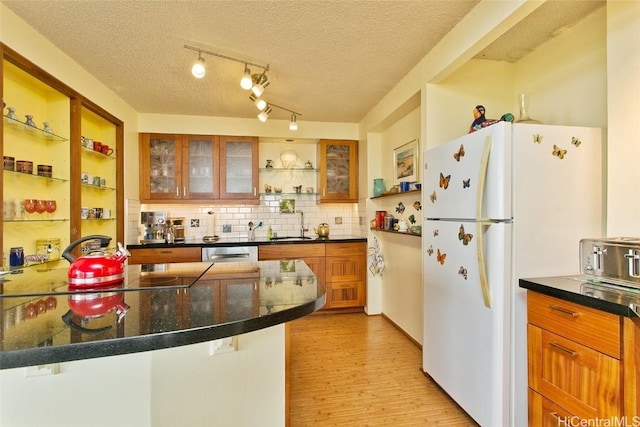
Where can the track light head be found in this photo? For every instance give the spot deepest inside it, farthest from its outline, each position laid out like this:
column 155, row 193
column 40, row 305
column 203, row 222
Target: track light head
column 260, row 104
column 198, row 70
column 264, row 115
column 246, row 82
column 293, row 124
column 260, row 81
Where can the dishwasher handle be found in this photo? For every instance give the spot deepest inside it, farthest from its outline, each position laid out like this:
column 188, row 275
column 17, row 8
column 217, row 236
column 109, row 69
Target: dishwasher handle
column 227, row 256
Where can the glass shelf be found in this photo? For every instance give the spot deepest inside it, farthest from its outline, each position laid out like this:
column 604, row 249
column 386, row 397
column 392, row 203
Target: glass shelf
column 36, row 219
column 288, row 194
column 49, row 178
column 97, row 153
column 47, row 136
column 97, row 187
column 288, row 169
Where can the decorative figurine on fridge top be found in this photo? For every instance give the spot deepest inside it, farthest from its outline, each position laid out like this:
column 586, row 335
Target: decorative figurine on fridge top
column 479, row 120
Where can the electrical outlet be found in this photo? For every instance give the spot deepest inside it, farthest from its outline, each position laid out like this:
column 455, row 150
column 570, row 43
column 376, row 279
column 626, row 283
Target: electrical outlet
column 223, row 345
column 226, row 228
column 42, row 370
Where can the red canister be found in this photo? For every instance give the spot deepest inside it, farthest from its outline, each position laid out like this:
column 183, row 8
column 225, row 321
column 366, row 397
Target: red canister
column 380, row 218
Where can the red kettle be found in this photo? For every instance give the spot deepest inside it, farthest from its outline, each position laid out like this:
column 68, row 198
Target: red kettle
column 97, row 268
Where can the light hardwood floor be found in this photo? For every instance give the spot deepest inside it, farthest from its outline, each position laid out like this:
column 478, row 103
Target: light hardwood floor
column 359, row 370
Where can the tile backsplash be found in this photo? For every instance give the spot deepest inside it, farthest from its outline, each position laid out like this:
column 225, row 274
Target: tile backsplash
column 203, row 220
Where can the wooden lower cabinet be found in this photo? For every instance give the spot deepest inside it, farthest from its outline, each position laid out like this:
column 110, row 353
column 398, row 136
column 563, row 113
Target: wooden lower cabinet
column 578, row 362
column 165, row 255
column 340, row 267
column 346, row 274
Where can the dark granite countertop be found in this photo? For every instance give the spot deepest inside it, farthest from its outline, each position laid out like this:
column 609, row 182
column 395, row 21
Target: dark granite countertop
column 620, row 300
column 243, row 241
column 156, row 306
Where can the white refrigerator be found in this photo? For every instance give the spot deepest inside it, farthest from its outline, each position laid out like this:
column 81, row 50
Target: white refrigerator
column 506, row 202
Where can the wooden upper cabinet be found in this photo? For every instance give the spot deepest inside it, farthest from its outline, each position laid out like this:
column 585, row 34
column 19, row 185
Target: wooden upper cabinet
column 338, row 171
column 200, row 168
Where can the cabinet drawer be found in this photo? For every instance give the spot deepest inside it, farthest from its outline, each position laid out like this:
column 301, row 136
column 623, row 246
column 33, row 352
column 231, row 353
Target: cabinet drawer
column 341, row 249
column 275, row 252
column 346, row 268
column 590, row 327
column 164, row 255
column 545, row 413
column 342, row 295
column 583, row 381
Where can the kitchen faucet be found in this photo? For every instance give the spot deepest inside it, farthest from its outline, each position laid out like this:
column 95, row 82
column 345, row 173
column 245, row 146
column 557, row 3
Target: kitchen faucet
column 302, row 229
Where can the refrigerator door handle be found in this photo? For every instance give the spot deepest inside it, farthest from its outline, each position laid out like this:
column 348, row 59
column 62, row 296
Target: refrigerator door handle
column 482, row 265
column 482, row 177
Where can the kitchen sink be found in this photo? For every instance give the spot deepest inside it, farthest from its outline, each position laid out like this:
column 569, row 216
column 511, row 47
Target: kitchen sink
column 292, row 238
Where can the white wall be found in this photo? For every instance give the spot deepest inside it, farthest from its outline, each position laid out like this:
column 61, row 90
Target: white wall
column 241, row 389
column 96, row 392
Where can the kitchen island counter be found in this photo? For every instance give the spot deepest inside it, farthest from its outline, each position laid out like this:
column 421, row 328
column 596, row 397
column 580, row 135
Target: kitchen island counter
column 157, row 306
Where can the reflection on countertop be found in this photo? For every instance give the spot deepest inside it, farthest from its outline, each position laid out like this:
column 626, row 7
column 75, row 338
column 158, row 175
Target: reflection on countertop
column 156, row 306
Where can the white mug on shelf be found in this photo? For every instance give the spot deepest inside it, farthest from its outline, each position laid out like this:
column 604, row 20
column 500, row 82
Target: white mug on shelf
column 106, row 213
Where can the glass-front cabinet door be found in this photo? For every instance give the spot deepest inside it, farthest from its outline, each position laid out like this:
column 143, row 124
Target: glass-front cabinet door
column 201, row 171
column 338, row 171
column 239, row 166
column 161, row 169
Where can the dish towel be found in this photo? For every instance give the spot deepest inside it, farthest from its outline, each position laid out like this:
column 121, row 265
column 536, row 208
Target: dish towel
column 375, row 258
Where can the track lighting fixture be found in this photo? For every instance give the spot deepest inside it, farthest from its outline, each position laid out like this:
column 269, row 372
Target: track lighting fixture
column 246, row 82
column 198, row 69
column 254, row 82
column 264, row 115
column 261, row 104
column 246, row 78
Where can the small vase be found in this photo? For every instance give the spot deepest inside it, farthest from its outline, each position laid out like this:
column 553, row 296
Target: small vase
column 378, row 187
column 11, row 113
column 523, row 101
column 29, row 121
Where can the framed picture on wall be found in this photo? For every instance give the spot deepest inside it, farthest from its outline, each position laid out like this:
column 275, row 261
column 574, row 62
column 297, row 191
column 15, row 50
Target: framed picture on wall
column 405, row 162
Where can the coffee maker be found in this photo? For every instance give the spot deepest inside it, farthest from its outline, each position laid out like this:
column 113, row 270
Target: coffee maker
column 177, row 228
column 153, row 226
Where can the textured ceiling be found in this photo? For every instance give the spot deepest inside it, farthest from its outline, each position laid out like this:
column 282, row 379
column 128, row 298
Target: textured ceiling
column 331, row 61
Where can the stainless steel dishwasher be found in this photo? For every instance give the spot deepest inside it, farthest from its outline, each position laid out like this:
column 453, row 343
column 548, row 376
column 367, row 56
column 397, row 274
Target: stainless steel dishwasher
column 230, row 253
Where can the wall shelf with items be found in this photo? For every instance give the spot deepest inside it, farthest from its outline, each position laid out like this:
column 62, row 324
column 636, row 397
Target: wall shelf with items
column 38, row 177
column 400, row 193
column 34, row 130
column 406, row 233
column 287, row 179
